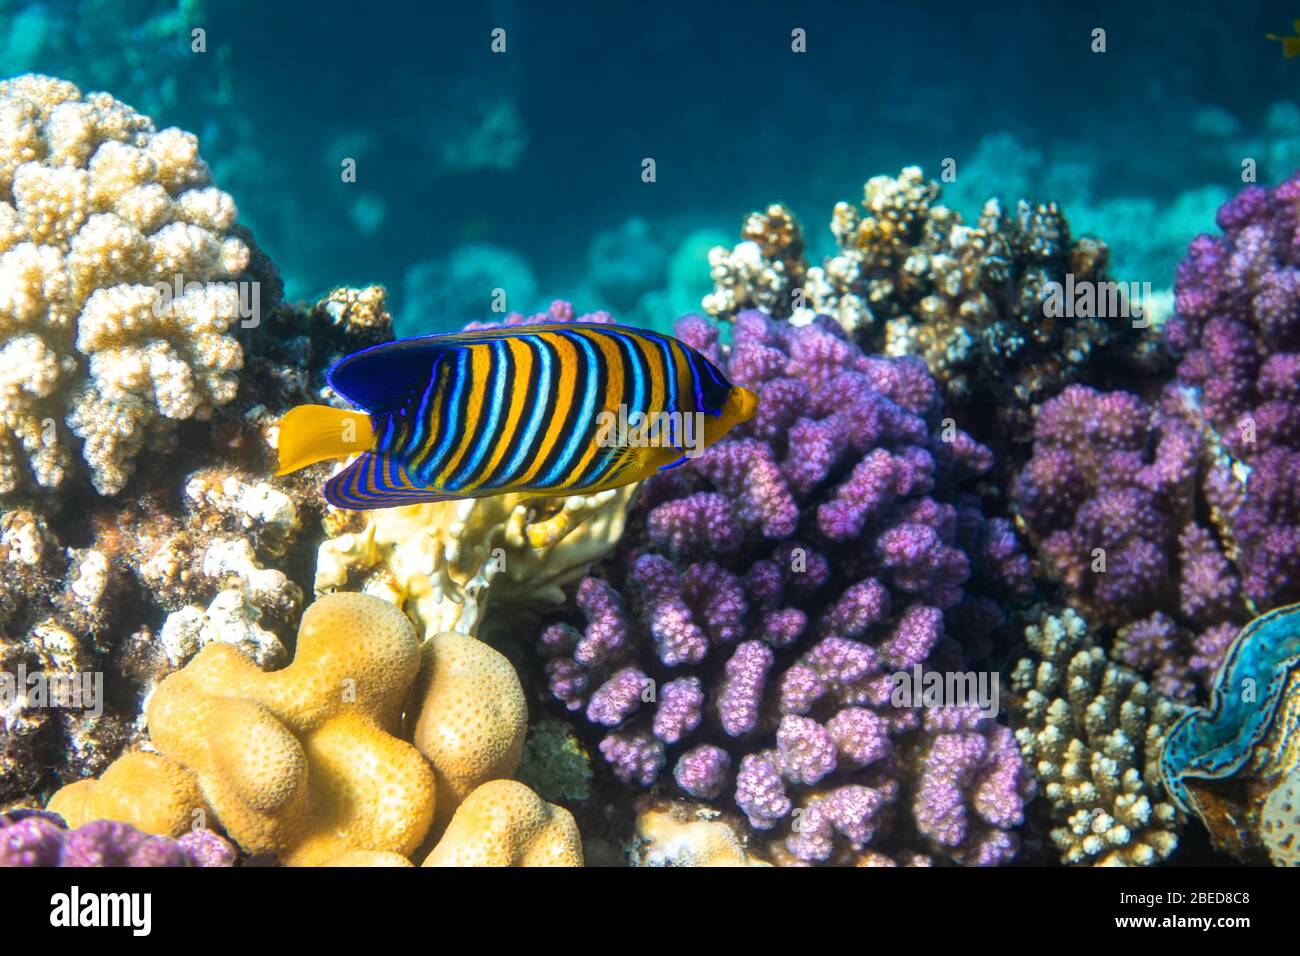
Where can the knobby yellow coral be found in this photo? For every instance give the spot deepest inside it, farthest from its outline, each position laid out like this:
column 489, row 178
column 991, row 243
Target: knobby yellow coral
column 503, row 823
column 472, row 716
column 302, row 762
column 153, row 793
column 440, row 561
column 99, row 213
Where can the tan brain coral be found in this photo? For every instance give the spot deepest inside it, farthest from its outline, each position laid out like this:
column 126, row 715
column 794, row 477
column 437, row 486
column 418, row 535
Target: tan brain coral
column 98, row 212
column 503, row 823
column 155, row 794
column 472, row 716
column 302, row 763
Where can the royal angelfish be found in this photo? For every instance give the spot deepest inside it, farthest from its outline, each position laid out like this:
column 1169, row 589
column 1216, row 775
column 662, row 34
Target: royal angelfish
column 538, row 409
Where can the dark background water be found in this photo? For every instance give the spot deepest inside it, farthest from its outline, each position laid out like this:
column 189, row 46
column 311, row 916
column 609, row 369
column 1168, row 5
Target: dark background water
column 539, row 150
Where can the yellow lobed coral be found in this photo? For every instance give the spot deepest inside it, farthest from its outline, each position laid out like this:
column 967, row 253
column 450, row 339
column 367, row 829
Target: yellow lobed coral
column 370, row 858
column 440, row 561
column 503, row 823
column 148, row 790
column 472, row 716
column 302, row 762
column 99, row 211
column 1091, row 731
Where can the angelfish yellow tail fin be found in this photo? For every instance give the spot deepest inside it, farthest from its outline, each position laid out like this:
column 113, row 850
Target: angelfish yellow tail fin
column 312, row 433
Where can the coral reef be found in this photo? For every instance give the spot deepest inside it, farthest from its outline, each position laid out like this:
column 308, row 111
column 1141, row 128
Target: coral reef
column 302, row 763
column 33, row 838
column 911, row 278
column 1112, row 499
column 1236, row 763
column 205, row 545
column 743, row 640
column 764, row 271
column 1146, row 234
column 1237, row 332
column 503, row 823
column 122, row 278
column 752, row 621
column 1091, row 729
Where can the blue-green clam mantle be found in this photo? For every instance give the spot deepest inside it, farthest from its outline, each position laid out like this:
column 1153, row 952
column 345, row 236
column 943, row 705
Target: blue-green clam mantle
column 1215, row 743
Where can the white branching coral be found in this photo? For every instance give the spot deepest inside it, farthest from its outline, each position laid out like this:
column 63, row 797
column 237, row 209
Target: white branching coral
column 1091, row 731
column 99, row 213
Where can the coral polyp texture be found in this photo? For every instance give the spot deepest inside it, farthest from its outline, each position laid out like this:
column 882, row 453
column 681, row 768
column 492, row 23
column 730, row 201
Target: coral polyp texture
column 1092, row 730
column 503, row 823
column 909, row 277
column 1237, row 330
column 740, row 646
column 100, row 212
column 300, row 763
column 472, row 716
column 1111, row 499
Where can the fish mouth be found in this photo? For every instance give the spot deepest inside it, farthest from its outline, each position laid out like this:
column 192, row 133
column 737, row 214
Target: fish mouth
column 746, row 403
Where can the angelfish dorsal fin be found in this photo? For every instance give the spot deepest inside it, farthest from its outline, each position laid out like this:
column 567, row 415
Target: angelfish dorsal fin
column 383, row 378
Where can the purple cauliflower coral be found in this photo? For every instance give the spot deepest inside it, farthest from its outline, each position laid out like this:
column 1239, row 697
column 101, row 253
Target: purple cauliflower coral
column 1110, row 499
column 37, row 838
column 1237, row 330
column 745, row 636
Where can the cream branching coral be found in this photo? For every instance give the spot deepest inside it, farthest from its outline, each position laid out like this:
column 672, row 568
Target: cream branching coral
column 1091, row 730
column 909, row 277
column 761, row 272
column 99, row 212
column 440, row 561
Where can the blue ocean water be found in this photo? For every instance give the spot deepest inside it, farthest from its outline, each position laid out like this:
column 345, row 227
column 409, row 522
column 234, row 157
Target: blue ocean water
column 523, row 168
